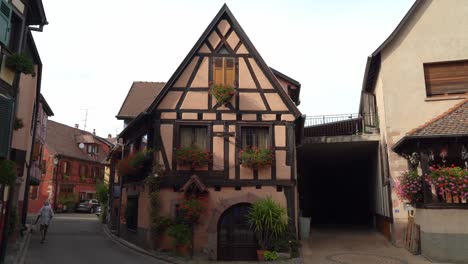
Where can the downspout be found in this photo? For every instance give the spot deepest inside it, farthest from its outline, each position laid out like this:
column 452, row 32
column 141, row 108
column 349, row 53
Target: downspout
column 24, row 213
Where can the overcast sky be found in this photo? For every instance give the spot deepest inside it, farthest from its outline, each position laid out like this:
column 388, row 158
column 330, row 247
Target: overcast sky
column 92, row 50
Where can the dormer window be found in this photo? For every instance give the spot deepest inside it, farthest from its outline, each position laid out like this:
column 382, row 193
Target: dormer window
column 92, row 149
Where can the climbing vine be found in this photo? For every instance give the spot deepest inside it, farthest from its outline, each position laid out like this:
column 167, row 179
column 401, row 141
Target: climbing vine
column 159, row 223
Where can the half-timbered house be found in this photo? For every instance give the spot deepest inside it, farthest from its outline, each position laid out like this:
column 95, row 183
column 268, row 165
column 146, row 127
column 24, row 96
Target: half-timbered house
column 262, row 113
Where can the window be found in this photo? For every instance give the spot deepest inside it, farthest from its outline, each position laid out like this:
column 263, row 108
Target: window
column 224, row 71
column 446, row 77
column 6, row 110
column 255, row 136
column 131, row 213
column 92, row 148
column 66, row 189
column 194, row 136
column 5, row 17
column 83, row 171
column 44, row 167
column 65, row 167
column 33, row 192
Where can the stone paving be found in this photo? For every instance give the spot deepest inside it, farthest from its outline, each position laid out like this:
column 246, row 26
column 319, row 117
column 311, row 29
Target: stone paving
column 354, row 247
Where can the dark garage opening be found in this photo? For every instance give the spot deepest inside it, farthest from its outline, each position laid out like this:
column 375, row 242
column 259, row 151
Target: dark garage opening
column 336, row 183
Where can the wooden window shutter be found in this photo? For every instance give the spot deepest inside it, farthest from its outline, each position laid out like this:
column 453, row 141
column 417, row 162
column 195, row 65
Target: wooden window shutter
column 5, row 18
column 446, row 77
column 37, row 150
column 218, row 71
column 6, row 109
column 230, row 71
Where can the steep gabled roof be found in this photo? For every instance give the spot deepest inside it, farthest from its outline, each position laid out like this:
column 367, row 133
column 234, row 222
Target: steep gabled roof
column 373, row 61
column 139, row 97
column 452, row 123
column 63, row 140
column 224, row 12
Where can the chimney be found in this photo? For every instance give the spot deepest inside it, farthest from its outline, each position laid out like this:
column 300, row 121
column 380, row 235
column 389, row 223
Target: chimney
column 94, row 131
column 77, row 126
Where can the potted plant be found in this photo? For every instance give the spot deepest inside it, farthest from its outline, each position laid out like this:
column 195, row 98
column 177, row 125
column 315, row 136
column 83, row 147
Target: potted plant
column 18, row 124
column 269, row 221
column 192, row 156
column 20, row 63
column 7, row 172
column 222, row 92
column 256, row 158
column 181, row 235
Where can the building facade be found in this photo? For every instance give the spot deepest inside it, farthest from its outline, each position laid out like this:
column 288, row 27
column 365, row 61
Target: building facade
column 417, row 76
column 260, row 113
column 74, row 161
column 19, row 99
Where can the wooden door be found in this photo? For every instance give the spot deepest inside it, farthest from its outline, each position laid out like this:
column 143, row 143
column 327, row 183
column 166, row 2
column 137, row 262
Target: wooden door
column 236, row 241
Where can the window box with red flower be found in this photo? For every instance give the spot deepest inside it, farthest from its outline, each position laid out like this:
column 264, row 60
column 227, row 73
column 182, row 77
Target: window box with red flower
column 135, row 165
column 222, row 92
column 193, row 157
column 450, row 183
column 256, row 158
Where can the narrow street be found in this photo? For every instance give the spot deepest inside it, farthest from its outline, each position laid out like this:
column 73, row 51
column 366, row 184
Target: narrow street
column 79, row 238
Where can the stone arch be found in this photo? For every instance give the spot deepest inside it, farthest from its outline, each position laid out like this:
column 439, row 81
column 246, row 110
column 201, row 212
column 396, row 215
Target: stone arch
column 212, row 230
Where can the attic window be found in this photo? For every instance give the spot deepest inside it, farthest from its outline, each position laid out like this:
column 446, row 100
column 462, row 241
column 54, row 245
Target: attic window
column 224, row 71
column 92, row 149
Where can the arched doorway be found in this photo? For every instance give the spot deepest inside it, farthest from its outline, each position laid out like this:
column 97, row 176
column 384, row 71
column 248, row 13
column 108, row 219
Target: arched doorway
column 236, row 241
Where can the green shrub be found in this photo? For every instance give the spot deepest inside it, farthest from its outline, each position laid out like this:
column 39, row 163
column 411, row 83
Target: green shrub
column 269, row 221
column 20, row 63
column 270, row 255
column 102, row 191
column 180, row 233
column 7, row 172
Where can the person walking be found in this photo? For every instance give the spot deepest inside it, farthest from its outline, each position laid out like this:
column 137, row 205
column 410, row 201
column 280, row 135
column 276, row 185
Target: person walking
column 44, row 216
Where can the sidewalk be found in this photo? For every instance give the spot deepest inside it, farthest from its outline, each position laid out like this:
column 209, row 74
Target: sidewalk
column 167, row 257
column 16, row 253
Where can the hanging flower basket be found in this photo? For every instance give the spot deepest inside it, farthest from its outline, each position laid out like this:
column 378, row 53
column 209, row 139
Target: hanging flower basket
column 409, row 187
column 256, row 158
column 193, row 157
column 223, row 93
column 20, row 63
column 135, row 164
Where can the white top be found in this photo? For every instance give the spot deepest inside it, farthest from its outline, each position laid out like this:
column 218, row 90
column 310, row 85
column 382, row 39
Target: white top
column 46, row 213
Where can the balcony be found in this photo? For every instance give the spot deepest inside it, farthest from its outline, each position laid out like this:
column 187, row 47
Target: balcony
column 341, row 125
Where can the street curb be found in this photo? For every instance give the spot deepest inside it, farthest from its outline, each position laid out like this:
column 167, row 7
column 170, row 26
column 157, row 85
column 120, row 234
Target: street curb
column 133, row 246
column 24, row 250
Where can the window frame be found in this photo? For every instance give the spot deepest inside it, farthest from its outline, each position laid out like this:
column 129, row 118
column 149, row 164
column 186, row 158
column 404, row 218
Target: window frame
column 193, row 126
column 224, row 57
column 431, row 95
column 269, row 126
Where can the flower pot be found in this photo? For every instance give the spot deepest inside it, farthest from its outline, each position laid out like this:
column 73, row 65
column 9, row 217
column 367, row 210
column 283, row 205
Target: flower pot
column 182, row 250
column 261, row 255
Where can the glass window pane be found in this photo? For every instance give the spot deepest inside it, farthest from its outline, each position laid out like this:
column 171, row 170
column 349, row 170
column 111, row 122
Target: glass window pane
column 185, row 137
column 201, row 137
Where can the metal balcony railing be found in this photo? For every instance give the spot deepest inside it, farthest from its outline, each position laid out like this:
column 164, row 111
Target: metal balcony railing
column 340, row 125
